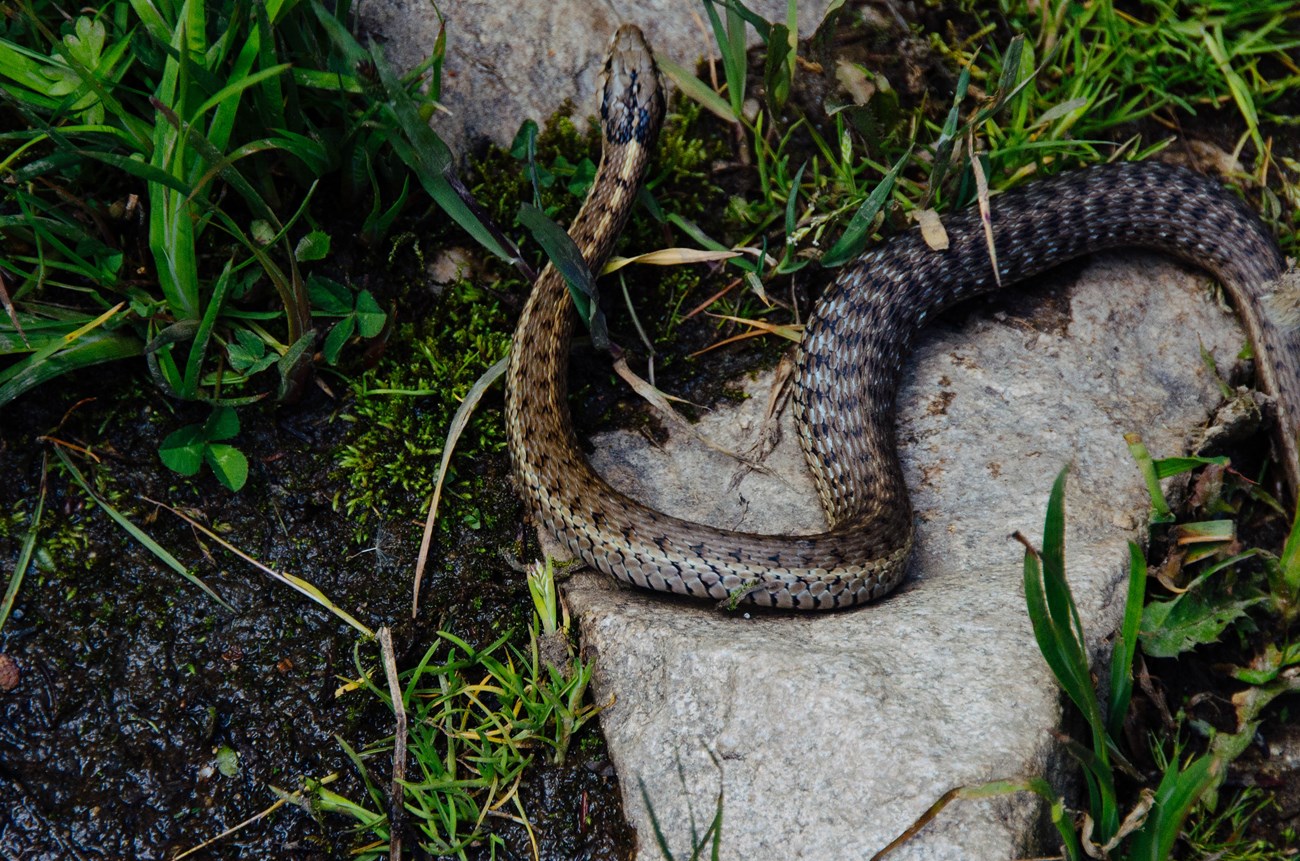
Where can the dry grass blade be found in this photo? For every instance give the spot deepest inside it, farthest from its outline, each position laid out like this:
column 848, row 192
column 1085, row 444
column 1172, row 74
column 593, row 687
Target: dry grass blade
column 397, row 794
column 458, row 423
column 280, row 802
column 993, row 789
column 731, row 285
column 759, row 328
column 790, row 333
column 669, row 257
column 296, row 583
column 986, row 216
column 921, row 821
column 233, row 829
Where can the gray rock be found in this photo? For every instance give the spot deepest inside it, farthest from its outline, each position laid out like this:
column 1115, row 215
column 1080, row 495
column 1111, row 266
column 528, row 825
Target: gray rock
column 507, row 62
column 833, row 733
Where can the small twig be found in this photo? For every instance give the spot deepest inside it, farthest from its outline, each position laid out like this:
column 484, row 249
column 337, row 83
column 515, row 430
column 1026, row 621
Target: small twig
column 231, row 830
column 731, row 285
column 13, row 314
column 397, row 791
column 68, row 414
column 53, row 440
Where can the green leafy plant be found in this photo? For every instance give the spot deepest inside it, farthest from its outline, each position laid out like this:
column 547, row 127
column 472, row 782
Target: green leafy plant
column 186, row 450
column 359, row 314
column 1206, row 608
column 1150, row 829
column 208, row 130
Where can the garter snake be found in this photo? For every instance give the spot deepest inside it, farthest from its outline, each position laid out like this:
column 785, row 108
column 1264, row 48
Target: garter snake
column 850, row 359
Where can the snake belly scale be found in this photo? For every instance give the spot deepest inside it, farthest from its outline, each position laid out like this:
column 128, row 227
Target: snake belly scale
column 849, row 361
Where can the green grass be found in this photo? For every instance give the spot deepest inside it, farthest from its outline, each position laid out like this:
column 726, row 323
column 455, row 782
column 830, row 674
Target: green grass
column 1145, row 814
column 1221, row 835
column 1143, row 833
column 169, row 168
column 477, row 717
column 163, row 108
column 1079, row 84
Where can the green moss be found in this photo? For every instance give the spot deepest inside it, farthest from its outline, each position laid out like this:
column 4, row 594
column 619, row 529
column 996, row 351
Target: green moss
column 66, row 546
column 681, row 172
column 402, row 409
column 16, row 523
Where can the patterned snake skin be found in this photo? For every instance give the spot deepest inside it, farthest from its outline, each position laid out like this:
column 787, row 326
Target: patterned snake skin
column 849, row 363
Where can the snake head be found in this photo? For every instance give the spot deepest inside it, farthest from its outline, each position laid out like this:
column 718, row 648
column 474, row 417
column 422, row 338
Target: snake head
column 631, row 100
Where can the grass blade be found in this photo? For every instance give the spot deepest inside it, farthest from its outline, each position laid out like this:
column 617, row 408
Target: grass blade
column 25, row 554
column 697, row 90
column 199, row 347
column 1178, row 792
column 428, row 156
column 1121, row 663
column 91, row 349
column 458, row 423
column 1059, row 633
column 135, row 532
column 731, row 45
column 293, row 582
column 1160, row 511
column 566, row 258
column 855, row 236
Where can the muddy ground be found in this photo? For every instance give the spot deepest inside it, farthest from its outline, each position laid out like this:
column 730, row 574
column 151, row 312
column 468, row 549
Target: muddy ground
column 132, row 679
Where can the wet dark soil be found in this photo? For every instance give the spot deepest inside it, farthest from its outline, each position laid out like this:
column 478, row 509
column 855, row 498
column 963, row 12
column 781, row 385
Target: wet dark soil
column 131, row 679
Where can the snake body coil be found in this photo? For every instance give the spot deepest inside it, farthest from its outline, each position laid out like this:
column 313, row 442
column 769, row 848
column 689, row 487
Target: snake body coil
column 849, row 361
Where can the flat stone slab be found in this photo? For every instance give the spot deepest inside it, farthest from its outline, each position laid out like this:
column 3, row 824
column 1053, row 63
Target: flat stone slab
column 833, row 733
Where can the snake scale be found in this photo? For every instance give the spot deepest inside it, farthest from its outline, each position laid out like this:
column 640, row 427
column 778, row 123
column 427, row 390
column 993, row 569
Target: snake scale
column 850, row 360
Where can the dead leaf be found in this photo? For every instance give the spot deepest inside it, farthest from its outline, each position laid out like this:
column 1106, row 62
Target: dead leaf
column 932, row 230
column 855, row 80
